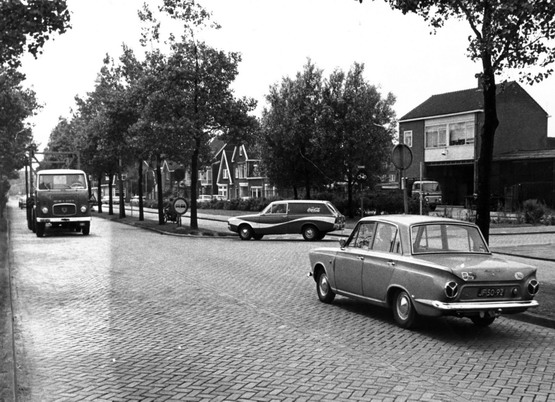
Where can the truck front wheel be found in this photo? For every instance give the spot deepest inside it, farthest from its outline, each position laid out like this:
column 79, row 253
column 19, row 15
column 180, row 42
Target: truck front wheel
column 87, row 229
column 39, row 226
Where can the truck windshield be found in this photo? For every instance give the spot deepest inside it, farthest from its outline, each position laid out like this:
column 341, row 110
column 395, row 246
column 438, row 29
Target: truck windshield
column 62, row 181
column 430, row 187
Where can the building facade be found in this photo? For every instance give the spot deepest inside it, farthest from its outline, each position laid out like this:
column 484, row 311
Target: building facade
column 444, row 135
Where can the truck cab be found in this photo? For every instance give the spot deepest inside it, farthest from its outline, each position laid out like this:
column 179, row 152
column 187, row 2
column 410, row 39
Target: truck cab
column 430, row 191
column 61, row 201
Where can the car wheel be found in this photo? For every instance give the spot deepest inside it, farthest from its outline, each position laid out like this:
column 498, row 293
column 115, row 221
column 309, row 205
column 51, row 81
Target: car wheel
column 245, row 232
column 257, row 236
column 87, row 229
column 403, row 310
column 482, row 321
column 310, row 233
column 40, row 229
column 323, row 288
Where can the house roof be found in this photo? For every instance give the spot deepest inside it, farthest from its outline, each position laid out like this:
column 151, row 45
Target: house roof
column 464, row 101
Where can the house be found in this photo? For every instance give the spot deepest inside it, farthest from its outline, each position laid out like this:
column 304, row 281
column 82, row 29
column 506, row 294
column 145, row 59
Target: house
column 443, row 134
column 235, row 173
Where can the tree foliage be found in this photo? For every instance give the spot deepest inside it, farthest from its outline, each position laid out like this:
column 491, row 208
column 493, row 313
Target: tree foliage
column 507, row 36
column 25, row 26
column 317, row 131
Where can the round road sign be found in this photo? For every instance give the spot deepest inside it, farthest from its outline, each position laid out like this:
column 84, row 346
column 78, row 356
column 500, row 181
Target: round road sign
column 401, row 156
column 180, row 205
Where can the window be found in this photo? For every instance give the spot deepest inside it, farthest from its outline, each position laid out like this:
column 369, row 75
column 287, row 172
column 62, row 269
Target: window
column 407, row 136
column 225, row 174
column 362, row 238
column 436, row 136
column 461, row 133
column 222, row 192
column 385, row 237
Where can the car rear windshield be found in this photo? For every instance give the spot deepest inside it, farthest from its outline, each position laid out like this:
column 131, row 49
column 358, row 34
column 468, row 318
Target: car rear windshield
column 447, row 238
column 62, row 181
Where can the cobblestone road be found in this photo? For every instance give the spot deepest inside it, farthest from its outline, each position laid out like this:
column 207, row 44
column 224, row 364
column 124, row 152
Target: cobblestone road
column 127, row 314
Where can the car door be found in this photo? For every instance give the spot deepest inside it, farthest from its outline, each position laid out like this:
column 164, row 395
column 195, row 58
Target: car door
column 273, row 220
column 379, row 265
column 349, row 260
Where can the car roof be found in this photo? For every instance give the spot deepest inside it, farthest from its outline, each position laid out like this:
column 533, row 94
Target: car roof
column 302, row 201
column 407, row 220
column 60, row 171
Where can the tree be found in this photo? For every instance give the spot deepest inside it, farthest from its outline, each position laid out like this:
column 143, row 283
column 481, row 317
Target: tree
column 507, row 35
column 16, row 105
column 357, row 128
column 193, row 100
column 25, row 26
column 289, row 131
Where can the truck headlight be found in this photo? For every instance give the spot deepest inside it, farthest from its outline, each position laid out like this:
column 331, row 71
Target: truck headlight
column 83, row 209
column 44, row 210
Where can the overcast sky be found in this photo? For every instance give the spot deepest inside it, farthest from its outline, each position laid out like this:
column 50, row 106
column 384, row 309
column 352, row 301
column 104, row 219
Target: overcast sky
column 275, row 38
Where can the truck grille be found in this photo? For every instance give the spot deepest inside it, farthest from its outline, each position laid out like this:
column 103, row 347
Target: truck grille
column 64, row 210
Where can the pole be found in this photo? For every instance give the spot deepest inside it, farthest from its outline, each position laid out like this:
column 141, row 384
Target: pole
column 421, row 189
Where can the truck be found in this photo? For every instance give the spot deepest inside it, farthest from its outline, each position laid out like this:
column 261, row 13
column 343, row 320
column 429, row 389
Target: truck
column 430, row 191
column 61, row 200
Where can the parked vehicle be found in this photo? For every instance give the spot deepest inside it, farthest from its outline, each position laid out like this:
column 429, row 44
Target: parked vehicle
column 430, row 190
column 62, row 201
column 312, row 219
column 423, row 266
column 204, row 198
column 22, row 201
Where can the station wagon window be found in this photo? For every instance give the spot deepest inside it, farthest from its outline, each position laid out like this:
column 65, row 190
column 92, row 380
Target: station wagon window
column 363, row 235
column 385, row 237
column 442, row 238
column 277, row 208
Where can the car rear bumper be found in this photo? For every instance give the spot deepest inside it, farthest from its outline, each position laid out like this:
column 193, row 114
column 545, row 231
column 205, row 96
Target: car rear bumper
column 469, row 307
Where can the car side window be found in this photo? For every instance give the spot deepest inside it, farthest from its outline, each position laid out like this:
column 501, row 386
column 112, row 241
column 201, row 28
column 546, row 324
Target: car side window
column 385, row 237
column 363, row 236
column 280, row 208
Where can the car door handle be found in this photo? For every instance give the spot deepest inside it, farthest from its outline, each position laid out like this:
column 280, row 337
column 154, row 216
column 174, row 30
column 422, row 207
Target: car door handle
column 391, row 263
column 361, row 257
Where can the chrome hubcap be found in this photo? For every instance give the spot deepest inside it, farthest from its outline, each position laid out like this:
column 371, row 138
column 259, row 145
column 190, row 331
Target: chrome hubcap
column 403, row 307
column 324, row 285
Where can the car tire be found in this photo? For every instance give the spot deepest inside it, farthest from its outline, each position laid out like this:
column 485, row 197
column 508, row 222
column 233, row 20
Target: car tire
column 87, row 229
column 245, row 232
column 40, row 229
column 482, row 321
column 257, row 236
column 310, row 233
column 403, row 310
column 323, row 288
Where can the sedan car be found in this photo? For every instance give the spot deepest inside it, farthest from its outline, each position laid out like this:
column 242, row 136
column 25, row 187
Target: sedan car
column 423, row 266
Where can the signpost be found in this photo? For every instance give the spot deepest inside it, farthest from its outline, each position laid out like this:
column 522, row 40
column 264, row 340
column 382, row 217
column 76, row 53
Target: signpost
column 402, row 159
column 362, row 176
column 180, row 206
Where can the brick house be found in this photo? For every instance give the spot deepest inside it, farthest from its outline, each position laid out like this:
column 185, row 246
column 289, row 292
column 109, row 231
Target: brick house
column 234, row 173
column 443, row 133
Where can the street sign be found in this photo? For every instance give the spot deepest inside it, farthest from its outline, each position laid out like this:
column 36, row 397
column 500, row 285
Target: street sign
column 180, row 206
column 401, row 156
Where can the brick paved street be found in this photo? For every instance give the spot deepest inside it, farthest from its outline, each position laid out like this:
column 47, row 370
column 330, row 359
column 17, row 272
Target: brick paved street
column 127, row 314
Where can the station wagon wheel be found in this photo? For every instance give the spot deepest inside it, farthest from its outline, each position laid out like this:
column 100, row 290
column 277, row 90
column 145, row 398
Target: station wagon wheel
column 403, row 310
column 257, row 236
column 323, row 288
column 482, row 321
column 310, row 233
column 245, row 232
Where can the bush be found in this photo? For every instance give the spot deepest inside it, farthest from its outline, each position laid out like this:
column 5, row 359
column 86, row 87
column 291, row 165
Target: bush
column 533, row 211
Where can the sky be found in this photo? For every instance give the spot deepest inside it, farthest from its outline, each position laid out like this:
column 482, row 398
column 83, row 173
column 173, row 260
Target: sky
column 275, row 38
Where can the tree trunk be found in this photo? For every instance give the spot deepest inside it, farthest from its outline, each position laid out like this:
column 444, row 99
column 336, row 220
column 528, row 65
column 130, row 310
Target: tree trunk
column 350, row 196
column 111, row 194
column 160, row 191
column 486, row 149
column 140, row 190
column 99, row 192
column 120, row 187
column 194, row 181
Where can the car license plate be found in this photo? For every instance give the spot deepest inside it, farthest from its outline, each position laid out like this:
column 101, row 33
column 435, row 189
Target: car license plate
column 491, row 292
